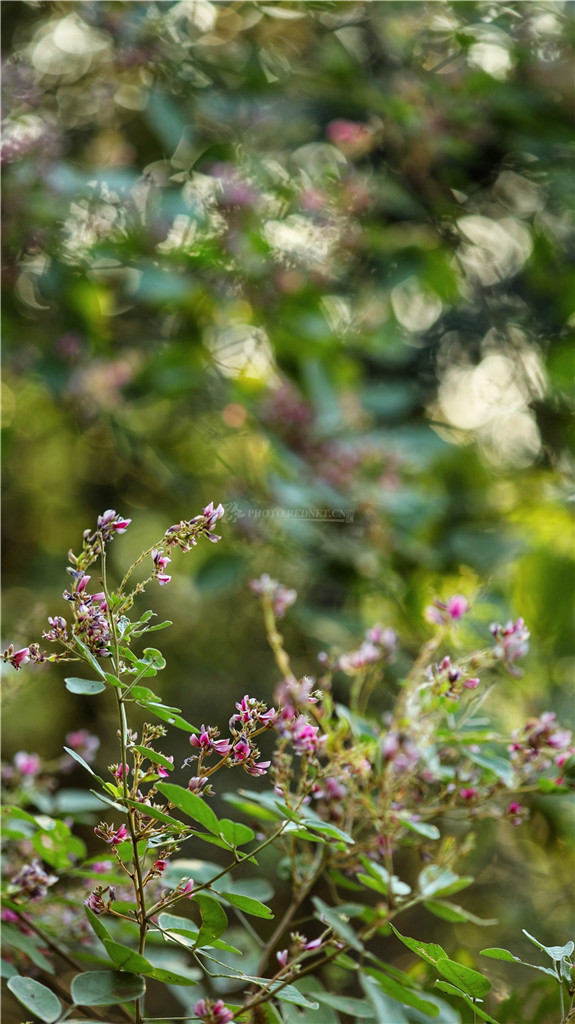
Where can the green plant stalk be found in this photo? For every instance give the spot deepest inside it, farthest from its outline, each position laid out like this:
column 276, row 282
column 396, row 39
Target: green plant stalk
column 137, row 878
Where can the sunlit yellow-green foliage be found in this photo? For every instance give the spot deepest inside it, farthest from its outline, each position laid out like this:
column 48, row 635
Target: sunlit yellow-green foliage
column 296, row 257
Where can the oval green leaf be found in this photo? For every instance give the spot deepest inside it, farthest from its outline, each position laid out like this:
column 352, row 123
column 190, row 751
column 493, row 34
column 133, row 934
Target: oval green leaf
column 106, row 988
column 190, row 804
column 36, row 997
column 247, row 904
column 470, row 981
column 86, row 686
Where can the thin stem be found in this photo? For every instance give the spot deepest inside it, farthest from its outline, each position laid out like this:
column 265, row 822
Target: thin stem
column 296, row 902
column 275, row 640
column 137, row 876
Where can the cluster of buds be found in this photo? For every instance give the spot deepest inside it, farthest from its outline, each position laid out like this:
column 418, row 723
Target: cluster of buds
column 33, row 881
column 100, row 899
column 304, row 737
column 399, row 749
column 542, row 741
column 331, row 793
column 511, row 643
column 24, row 655
column 377, row 645
column 160, row 560
column 187, row 532
column 213, row 1012
column 294, row 694
column 449, row 680
column 112, row 836
column 91, row 621
column 443, row 613
column 275, row 593
column 109, row 524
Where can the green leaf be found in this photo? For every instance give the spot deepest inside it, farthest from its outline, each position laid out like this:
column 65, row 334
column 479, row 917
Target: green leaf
column 405, row 996
column 498, row 765
column 159, row 625
column 154, row 812
column 499, row 954
column 247, row 904
column 386, row 1009
column 191, row 804
column 235, row 833
column 338, row 922
column 437, row 881
column 36, row 997
column 12, row 936
column 385, row 883
column 428, row 951
column 77, row 757
column 7, row 970
column 87, row 686
column 167, row 714
column 290, row 994
column 454, row 913
column 451, row 990
column 89, row 657
column 106, row 988
column 422, row 828
column 154, row 658
column 466, row 978
column 214, row 919
column 325, row 828
column 251, row 809
column 128, row 960
column 359, row 1009
column 555, row 952
column 98, row 926
column 155, row 757
column 112, row 680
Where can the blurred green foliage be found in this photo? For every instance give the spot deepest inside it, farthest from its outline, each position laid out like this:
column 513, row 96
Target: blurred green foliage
column 294, row 257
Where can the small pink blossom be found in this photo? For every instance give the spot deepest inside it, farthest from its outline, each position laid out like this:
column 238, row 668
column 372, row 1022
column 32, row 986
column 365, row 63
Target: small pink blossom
column 26, row 764
column 164, row 772
column 163, row 578
column 213, row 1012
column 468, row 794
column 18, row 658
column 282, row 957
column 471, row 684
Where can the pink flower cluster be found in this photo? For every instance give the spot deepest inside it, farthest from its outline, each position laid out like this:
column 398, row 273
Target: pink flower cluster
column 187, row 532
column 542, row 741
column 270, row 590
column 111, row 835
column 511, row 642
column 213, row 1012
column 33, row 881
column 443, row 613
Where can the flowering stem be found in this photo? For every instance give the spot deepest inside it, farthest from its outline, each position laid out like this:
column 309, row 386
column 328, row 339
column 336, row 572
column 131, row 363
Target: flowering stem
column 137, row 876
column 317, row 868
column 275, row 640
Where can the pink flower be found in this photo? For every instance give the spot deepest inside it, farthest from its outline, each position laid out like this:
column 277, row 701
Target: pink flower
column 18, row 658
column 305, row 736
column 27, row 764
column 468, row 794
column 282, row 957
column 457, row 606
column 257, row 768
column 471, row 684
column 442, row 613
column 242, row 750
column 160, row 866
column 111, row 836
column 281, row 597
column 163, row 578
column 213, row 1012
column 164, row 772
